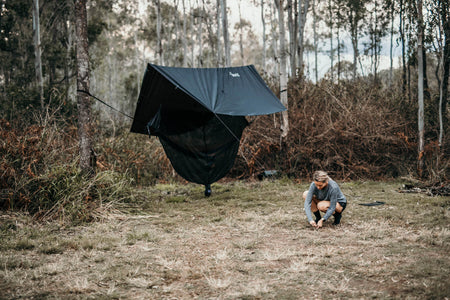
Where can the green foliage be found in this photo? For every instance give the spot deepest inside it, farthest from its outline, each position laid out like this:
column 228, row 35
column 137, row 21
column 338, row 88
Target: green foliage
column 64, row 192
column 143, row 159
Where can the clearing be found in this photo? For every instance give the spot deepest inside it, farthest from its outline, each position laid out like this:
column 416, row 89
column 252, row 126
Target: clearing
column 249, row 240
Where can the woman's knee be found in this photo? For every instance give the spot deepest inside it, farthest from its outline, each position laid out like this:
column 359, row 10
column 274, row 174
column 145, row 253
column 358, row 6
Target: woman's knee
column 323, row 205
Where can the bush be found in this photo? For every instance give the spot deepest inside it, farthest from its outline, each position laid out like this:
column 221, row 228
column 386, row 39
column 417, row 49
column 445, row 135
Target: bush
column 65, row 193
column 40, row 174
column 354, row 130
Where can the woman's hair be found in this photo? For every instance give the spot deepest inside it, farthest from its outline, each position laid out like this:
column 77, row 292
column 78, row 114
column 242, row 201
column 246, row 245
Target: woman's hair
column 320, row 176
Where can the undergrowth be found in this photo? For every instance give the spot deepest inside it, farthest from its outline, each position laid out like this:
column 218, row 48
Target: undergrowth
column 353, row 130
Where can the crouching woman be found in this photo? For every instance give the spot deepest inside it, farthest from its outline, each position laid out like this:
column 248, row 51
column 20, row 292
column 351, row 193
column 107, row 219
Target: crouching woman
column 324, row 195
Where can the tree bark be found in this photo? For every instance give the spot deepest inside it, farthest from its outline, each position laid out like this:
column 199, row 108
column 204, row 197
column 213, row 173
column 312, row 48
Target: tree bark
column 446, row 65
column 226, row 37
column 184, row 36
column 391, row 46
column 200, row 38
column 241, row 36
column 158, row 32
column 420, row 88
column 303, row 6
column 264, row 37
column 402, row 37
column 331, row 25
column 292, row 39
column 316, row 75
column 283, row 70
column 37, row 51
column 83, row 100
column 219, row 34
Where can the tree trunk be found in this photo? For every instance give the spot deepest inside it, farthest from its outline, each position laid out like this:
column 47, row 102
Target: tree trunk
column 158, row 32
column 316, row 69
column 69, row 45
column 354, row 40
column 446, row 65
column 241, row 35
column 402, row 37
column 37, row 51
column 200, row 39
column 83, row 100
column 264, row 37
column 303, row 6
column 275, row 38
column 219, row 34
column 192, row 34
column 391, row 47
column 338, row 37
column 283, row 73
column 420, row 88
column 292, row 39
column 331, row 25
column 184, row 36
column 177, row 24
column 226, row 37
column 439, row 74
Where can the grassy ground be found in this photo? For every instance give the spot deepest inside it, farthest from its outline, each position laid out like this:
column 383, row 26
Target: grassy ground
column 247, row 241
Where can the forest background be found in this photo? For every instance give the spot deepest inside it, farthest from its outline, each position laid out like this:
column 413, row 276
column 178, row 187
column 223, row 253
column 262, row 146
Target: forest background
column 357, row 121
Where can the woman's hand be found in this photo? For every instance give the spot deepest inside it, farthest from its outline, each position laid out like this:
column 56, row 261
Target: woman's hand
column 320, row 223
column 313, row 223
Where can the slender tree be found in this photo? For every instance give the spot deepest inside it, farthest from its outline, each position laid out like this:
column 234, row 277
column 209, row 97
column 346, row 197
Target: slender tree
column 283, row 69
column 226, row 36
column 355, row 14
column 83, row 101
column 219, row 33
column 292, row 38
column 37, row 51
column 303, row 6
column 444, row 9
column 391, row 44
column 315, row 38
column 240, row 28
column 263, row 20
column 420, row 88
column 330, row 23
column 158, row 32
column 184, row 35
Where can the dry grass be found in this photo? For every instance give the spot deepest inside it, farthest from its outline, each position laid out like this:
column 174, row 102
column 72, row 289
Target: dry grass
column 247, row 241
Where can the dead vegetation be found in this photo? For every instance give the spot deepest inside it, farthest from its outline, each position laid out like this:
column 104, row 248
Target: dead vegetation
column 247, row 241
column 353, row 130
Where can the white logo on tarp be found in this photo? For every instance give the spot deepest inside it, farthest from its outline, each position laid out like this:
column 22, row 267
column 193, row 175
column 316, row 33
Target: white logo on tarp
column 235, row 74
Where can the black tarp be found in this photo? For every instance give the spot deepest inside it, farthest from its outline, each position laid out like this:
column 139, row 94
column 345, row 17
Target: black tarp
column 199, row 115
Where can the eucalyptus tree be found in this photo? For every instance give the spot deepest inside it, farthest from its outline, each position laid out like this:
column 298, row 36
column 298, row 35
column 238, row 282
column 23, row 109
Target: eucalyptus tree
column 438, row 30
column 283, row 78
column 37, row 51
column 159, row 48
column 184, row 35
column 443, row 8
column 226, row 36
column 314, row 7
column 303, row 7
column 376, row 28
column 354, row 13
column 85, row 132
column 219, row 33
column 420, row 88
column 292, row 27
column 263, row 20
